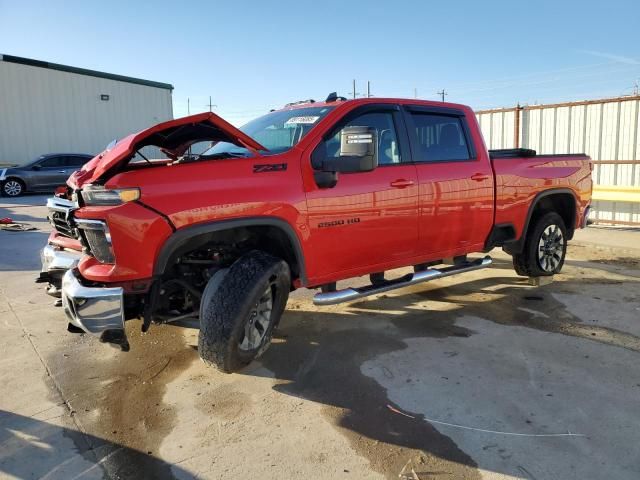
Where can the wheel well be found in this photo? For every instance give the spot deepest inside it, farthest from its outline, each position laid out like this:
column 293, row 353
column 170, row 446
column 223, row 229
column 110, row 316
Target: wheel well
column 564, row 204
column 561, row 202
column 237, row 241
column 17, row 179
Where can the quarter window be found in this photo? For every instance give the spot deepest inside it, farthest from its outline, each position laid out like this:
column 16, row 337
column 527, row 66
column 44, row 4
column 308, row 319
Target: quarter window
column 388, row 150
column 439, row 138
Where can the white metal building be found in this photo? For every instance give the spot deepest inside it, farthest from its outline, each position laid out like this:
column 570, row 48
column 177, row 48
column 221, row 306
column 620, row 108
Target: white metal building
column 607, row 130
column 48, row 108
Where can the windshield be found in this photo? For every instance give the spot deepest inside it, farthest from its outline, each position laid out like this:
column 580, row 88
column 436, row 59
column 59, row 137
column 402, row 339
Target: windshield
column 277, row 131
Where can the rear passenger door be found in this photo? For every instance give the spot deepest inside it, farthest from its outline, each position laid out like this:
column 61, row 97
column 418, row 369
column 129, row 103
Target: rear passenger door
column 51, row 173
column 455, row 185
column 73, row 163
column 367, row 220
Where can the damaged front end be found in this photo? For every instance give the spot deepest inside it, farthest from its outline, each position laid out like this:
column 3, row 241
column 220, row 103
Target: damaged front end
column 97, row 310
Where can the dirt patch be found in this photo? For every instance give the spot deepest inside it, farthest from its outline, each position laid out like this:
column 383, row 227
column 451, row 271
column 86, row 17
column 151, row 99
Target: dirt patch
column 620, row 261
column 118, row 397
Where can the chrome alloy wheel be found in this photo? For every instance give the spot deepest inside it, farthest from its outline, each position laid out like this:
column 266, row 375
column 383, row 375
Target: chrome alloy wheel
column 12, row 188
column 550, row 248
column 258, row 323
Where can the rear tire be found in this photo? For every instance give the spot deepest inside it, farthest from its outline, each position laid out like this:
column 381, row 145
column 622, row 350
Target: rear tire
column 240, row 311
column 544, row 249
column 12, row 187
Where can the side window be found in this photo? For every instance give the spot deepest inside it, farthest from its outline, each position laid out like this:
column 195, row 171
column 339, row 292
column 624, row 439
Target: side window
column 73, row 161
column 388, row 149
column 439, row 138
column 52, row 162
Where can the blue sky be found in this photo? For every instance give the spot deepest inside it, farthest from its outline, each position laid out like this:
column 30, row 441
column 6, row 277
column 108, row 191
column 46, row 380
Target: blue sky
column 252, row 56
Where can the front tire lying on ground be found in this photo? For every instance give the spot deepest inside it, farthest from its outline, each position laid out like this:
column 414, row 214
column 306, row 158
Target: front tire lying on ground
column 544, row 249
column 241, row 309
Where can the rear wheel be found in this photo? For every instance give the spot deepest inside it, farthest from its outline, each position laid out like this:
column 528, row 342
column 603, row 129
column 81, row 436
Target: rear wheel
column 544, row 249
column 240, row 308
column 12, row 187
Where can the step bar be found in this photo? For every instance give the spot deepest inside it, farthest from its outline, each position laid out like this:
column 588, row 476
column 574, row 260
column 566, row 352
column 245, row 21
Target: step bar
column 348, row 294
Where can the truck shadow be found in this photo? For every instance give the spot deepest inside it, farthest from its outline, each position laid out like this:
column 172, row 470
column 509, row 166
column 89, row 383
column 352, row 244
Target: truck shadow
column 31, row 448
column 318, row 355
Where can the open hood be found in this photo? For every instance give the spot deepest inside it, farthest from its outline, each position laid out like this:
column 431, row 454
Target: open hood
column 174, row 137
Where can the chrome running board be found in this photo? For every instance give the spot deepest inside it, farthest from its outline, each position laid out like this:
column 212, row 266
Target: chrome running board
column 348, row 294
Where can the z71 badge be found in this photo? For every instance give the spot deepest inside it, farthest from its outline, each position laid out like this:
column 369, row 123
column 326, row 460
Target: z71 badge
column 270, row 167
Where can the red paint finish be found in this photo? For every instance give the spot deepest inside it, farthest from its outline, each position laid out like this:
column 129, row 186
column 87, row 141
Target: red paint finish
column 393, row 216
column 136, row 234
column 519, row 180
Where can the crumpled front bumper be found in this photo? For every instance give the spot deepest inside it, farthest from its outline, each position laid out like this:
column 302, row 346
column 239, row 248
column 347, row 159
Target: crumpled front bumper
column 96, row 310
column 55, row 263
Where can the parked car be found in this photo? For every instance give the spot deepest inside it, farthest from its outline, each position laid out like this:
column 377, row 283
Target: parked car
column 304, row 196
column 45, row 173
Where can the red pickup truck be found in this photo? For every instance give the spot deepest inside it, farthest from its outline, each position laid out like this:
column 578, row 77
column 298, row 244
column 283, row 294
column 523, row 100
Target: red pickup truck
column 303, row 196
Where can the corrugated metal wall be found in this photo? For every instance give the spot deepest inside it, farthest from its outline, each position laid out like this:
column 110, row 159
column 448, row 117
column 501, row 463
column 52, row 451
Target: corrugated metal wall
column 45, row 111
column 606, row 130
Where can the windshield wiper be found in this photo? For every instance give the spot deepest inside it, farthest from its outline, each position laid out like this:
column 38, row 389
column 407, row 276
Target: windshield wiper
column 223, row 155
column 146, row 159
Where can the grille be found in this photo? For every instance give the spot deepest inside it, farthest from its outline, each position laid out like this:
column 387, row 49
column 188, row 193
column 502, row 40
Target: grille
column 61, row 224
column 60, row 215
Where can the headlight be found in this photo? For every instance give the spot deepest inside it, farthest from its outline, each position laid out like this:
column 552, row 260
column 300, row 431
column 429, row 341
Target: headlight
column 100, row 196
column 95, row 235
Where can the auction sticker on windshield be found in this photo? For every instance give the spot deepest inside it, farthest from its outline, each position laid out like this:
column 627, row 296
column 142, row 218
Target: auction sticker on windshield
column 301, row 120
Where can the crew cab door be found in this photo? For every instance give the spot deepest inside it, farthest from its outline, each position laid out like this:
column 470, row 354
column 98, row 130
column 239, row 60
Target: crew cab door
column 367, row 221
column 456, row 182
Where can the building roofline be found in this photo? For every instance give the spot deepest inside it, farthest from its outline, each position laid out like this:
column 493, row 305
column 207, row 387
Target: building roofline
column 626, row 98
column 83, row 71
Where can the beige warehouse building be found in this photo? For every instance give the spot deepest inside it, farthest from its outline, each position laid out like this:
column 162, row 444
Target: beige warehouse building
column 47, row 107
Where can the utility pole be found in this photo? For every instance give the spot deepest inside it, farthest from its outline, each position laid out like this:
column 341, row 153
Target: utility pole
column 368, row 89
column 354, row 88
column 188, row 106
column 442, row 94
column 210, row 105
column 415, row 92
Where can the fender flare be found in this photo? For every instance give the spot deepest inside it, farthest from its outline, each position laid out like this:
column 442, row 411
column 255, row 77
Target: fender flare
column 182, row 236
column 516, row 246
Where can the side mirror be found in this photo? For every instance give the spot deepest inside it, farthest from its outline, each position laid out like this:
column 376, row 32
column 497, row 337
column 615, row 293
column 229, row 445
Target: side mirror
column 358, row 151
column 36, row 167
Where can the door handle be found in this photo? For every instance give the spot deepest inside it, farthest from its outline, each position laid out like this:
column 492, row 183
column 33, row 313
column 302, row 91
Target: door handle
column 401, row 183
column 479, row 177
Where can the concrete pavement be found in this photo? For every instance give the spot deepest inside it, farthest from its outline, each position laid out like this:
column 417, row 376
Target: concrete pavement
column 480, row 376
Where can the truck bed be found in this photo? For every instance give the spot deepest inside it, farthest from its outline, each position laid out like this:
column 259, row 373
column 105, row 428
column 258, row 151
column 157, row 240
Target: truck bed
column 521, row 175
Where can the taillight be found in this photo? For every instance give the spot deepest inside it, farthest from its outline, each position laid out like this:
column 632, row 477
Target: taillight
column 95, row 234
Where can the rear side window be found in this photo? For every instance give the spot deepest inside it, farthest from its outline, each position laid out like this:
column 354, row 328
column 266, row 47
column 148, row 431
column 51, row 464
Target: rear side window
column 439, row 138
column 52, row 162
column 75, row 161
